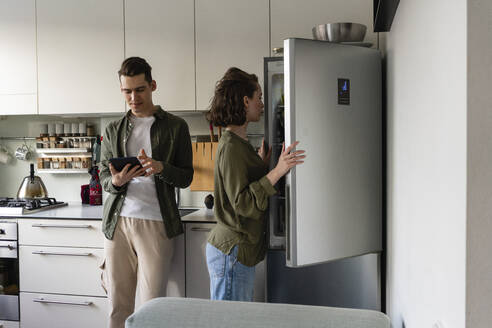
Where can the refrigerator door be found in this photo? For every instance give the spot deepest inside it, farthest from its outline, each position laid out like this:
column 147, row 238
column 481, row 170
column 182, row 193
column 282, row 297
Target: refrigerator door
column 333, row 107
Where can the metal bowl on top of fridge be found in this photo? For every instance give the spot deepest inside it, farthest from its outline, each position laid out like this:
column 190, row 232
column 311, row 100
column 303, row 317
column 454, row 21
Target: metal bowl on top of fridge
column 340, row 32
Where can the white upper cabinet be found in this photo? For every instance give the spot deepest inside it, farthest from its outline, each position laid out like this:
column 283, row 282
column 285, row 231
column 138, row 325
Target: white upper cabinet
column 228, row 33
column 18, row 57
column 162, row 32
column 80, row 50
column 295, row 18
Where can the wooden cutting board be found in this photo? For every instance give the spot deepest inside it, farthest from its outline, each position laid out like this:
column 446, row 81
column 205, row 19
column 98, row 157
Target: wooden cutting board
column 203, row 164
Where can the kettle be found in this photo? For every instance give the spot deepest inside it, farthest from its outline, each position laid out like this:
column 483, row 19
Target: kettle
column 32, row 187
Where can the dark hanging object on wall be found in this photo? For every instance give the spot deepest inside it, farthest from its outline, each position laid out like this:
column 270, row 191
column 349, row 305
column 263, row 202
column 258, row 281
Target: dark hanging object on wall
column 384, row 12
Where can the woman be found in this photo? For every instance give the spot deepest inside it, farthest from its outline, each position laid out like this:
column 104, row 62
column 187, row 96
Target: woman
column 242, row 188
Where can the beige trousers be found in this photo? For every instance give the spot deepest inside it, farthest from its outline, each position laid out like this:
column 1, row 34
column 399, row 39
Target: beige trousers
column 140, row 255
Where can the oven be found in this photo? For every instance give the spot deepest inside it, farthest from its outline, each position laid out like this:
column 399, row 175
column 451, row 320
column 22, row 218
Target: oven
column 9, row 271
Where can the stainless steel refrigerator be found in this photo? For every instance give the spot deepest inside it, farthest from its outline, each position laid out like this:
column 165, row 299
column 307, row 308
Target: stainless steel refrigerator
column 325, row 223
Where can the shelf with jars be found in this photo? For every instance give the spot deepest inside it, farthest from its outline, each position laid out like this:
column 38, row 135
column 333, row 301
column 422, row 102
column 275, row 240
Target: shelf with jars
column 64, row 154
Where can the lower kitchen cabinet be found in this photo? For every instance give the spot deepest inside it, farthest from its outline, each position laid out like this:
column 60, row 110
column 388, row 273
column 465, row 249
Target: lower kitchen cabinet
column 197, row 277
column 59, row 275
column 176, row 282
column 61, row 270
column 9, row 324
column 62, row 311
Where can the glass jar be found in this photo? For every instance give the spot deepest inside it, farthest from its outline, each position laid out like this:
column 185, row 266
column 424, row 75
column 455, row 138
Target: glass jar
column 39, row 142
column 68, row 161
column 63, row 163
column 76, row 143
column 46, row 163
column 76, row 163
column 60, row 144
column 54, row 163
column 46, row 142
column 40, row 163
column 90, row 130
column 86, row 162
column 52, row 142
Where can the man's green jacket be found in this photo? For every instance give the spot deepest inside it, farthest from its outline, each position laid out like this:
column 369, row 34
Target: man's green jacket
column 171, row 145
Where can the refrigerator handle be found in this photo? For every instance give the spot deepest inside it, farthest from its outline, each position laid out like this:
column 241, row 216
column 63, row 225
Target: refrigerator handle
column 287, row 222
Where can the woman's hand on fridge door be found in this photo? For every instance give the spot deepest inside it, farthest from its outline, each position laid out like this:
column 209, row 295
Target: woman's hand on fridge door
column 263, row 153
column 287, row 160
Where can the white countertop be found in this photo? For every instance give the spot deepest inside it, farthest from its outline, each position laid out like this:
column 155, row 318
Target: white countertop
column 202, row 215
column 76, row 210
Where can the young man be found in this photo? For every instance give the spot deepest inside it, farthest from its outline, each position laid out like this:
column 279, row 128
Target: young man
column 140, row 215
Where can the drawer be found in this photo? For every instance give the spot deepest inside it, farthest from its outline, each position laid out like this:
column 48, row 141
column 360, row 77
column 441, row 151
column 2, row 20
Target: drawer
column 74, row 233
column 62, row 311
column 9, row 324
column 8, row 249
column 8, row 230
column 63, row 270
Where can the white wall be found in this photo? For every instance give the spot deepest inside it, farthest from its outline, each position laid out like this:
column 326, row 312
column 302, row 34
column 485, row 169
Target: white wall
column 479, row 189
column 426, row 80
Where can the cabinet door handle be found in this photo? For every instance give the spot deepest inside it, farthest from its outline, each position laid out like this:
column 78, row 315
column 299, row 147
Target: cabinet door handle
column 42, row 300
column 201, row 229
column 61, row 253
column 10, row 247
column 41, row 225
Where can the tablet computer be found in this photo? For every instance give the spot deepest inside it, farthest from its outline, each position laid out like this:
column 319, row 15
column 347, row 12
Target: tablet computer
column 120, row 162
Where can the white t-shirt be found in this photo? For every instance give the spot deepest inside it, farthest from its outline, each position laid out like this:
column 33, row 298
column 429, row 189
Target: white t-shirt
column 141, row 197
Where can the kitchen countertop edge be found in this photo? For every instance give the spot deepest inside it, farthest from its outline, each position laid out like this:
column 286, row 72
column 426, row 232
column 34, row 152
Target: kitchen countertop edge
column 78, row 211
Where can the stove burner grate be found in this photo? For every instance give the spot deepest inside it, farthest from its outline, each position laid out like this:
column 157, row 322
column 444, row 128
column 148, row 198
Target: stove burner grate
column 28, row 203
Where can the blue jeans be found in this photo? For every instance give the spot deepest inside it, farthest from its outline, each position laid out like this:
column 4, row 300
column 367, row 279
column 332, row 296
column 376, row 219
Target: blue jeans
column 229, row 279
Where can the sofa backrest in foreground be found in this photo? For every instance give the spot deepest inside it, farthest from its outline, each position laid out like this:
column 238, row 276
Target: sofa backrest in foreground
column 172, row 312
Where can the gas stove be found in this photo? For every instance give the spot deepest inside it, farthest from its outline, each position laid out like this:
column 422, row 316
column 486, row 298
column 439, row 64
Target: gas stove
column 19, row 206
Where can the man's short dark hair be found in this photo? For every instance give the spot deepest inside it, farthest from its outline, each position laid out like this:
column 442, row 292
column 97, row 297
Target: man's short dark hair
column 133, row 66
column 227, row 107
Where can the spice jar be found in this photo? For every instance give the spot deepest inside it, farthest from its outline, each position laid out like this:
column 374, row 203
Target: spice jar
column 67, row 129
column 59, row 130
column 46, row 142
column 54, row 163
column 86, row 162
column 52, row 129
column 40, row 163
column 52, row 142
column 63, row 162
column 75, row 129
column 76, row 143
column 76, row 163
column 39, row 142
column 60, row 144
column 68, row 161
column 46, row 163
column 82, row 129
column 90, row 130
column 43, row 130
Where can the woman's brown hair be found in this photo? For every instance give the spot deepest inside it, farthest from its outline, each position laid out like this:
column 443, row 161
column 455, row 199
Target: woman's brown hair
column 227, row 106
